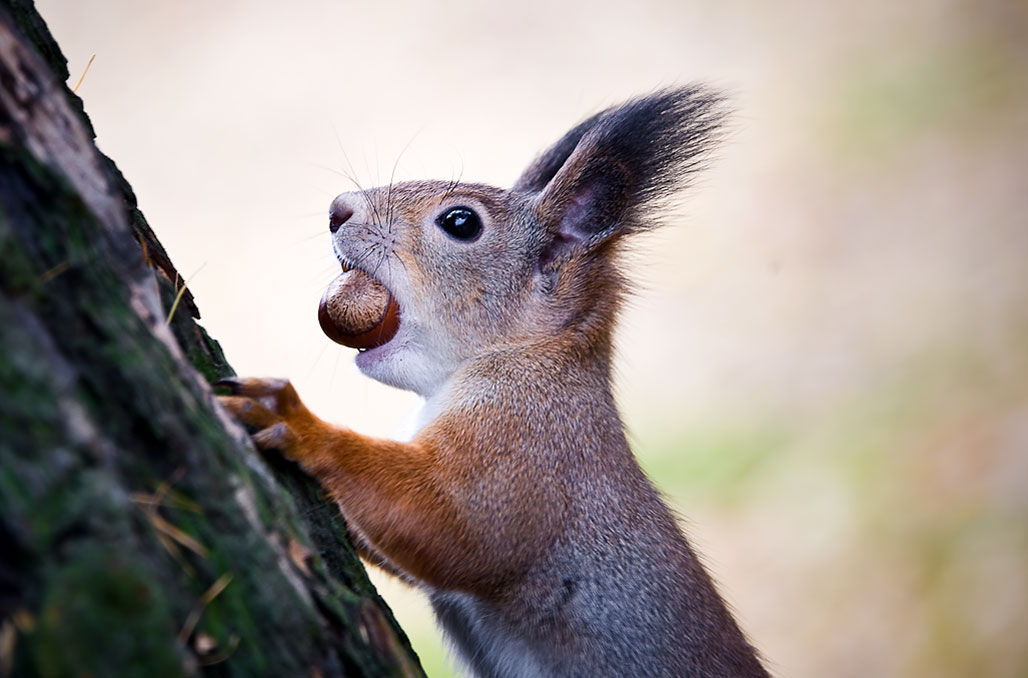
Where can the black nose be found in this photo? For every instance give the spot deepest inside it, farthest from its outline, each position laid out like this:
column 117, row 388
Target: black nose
column 337, row 217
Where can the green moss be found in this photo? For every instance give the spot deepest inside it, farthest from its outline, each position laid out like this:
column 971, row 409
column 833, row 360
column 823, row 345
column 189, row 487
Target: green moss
column 29, row 412
column 236, row 613
column 29, row 265
column 204, row 353
column 16, row 272
column 103, row 615
column 207, row 356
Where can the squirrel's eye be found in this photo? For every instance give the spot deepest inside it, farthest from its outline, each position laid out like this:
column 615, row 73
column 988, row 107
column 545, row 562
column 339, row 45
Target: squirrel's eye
column 460, row 222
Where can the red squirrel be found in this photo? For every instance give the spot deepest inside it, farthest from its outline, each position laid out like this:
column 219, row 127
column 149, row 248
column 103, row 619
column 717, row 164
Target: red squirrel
column 518, row 506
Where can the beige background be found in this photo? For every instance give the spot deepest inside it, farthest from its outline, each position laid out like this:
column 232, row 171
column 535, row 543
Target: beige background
column 825, row 366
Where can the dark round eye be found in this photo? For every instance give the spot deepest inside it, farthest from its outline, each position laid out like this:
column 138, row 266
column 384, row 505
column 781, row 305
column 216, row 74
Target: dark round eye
column 460, row 222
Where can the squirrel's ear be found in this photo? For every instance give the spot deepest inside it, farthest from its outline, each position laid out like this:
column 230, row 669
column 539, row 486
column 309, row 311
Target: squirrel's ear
column 612, row 172
column 541, row 171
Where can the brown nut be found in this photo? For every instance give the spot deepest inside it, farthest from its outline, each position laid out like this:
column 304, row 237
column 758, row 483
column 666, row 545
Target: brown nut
column 358, row 311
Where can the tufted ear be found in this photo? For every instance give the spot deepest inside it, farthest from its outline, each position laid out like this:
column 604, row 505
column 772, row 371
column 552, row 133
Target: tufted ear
column 610, row 174
column 541, row 171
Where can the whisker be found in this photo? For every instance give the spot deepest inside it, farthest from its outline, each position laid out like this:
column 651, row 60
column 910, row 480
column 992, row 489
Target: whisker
column 308, row 238
column 389, row 268
column 322, row 277
column 454, row 183
column 372, row 207
column 352, row 174
column 335, row 368
column 297, row 216
column 363, row 256
column 382, row 257
column 392, row 174
column 317, row 359
column 367, row 225
column 333, row 170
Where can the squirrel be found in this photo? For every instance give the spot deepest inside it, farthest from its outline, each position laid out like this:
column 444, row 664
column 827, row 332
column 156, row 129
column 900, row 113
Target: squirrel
column 518, row 506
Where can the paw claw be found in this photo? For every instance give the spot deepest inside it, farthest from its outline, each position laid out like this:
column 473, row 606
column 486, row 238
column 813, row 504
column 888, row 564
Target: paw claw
column 249, row 412
column 268, row 406
column 231, row 383
column 277, row 391
column 276, row 437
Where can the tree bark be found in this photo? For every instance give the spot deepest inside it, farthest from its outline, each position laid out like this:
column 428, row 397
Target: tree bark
column 140, row 533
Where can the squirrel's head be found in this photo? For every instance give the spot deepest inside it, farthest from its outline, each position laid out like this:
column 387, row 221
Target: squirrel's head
column 475, row 269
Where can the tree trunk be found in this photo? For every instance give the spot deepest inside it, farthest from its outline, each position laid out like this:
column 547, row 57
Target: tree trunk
column 140, row 533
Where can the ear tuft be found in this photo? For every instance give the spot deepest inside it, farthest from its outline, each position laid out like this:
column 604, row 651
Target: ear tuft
column 611, row 172
column 541, row 171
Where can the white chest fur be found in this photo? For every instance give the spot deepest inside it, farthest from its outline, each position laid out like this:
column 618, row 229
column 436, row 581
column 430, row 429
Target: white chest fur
column 429, row 409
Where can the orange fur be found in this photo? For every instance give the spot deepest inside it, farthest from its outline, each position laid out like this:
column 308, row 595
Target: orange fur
column 408, row 500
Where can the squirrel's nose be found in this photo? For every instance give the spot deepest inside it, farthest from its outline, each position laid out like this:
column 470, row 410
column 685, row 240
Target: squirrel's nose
column 337, row 216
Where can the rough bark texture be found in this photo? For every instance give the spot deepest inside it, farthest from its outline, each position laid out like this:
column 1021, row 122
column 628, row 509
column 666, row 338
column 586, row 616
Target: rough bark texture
column 140, row 533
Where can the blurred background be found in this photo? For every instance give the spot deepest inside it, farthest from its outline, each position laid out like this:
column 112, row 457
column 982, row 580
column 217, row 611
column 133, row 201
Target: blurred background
column 826, row 365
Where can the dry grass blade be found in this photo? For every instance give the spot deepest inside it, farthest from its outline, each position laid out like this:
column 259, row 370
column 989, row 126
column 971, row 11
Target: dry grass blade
column 194, row 616
column 177, row 534
column 83, row 76
column 172, row 500
column 168, row 534
column 233, row 643
column 54, row 272
column 181, row 291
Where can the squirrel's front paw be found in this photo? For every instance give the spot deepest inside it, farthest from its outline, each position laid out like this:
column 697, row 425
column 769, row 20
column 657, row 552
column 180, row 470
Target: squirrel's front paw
column 268, row 408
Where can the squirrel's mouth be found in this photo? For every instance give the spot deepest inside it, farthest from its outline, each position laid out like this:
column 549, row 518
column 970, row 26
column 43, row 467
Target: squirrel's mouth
column 358, row 311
